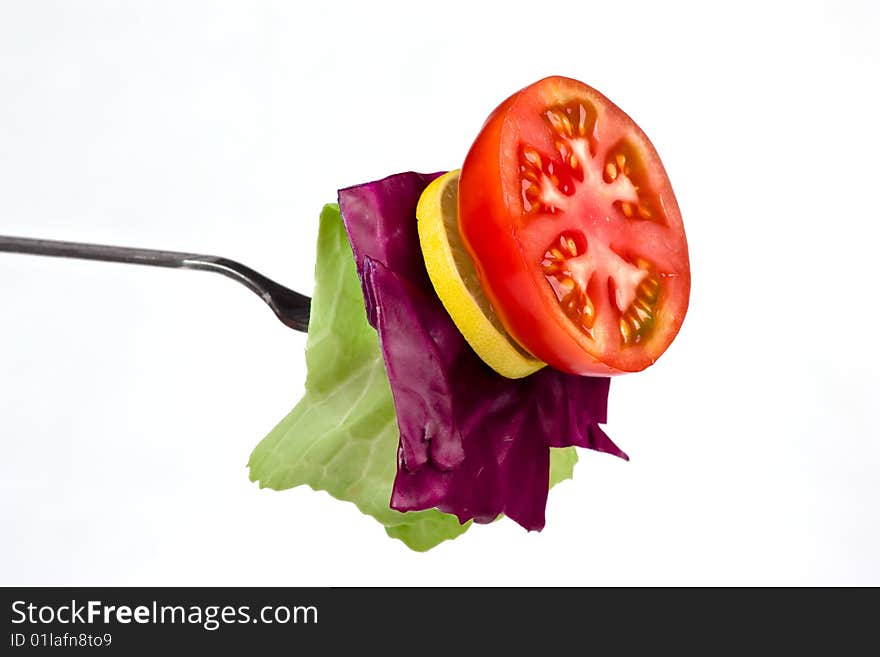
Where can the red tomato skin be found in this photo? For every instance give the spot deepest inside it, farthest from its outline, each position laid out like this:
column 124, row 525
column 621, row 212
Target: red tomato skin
column 489, row 232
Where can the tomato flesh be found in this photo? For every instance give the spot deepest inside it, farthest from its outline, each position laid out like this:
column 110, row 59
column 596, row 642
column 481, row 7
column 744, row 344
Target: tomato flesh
column 574, row 230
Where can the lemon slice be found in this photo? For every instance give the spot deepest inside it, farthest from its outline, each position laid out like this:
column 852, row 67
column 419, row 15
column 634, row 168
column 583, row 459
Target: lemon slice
column 454, row 278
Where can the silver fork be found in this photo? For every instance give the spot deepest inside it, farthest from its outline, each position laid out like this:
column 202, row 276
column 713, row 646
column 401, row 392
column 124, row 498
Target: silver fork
column 292, row 308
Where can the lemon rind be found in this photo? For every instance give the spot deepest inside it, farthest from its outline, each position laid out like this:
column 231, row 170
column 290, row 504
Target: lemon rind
column 495, row 348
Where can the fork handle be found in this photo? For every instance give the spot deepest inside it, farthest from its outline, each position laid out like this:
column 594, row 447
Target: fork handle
column 103, row 252
column 292, row 308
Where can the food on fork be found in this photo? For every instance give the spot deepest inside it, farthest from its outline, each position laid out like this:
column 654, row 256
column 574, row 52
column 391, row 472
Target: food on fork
column 440, row 297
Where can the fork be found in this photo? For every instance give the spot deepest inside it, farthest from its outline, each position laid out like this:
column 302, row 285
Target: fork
column 292, row 308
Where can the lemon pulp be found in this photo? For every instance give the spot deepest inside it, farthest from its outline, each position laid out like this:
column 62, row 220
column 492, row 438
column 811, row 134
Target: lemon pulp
column 454, row 277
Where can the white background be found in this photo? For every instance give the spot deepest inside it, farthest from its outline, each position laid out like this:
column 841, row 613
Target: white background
column 130, row 398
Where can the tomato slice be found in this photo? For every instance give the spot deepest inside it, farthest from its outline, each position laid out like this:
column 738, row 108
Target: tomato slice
column 574, row 230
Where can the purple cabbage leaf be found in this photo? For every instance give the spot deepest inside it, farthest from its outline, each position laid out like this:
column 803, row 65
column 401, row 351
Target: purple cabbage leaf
column 472, row 443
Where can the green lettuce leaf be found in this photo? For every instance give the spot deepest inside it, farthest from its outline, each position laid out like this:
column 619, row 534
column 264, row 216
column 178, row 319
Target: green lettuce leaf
column 342, row 436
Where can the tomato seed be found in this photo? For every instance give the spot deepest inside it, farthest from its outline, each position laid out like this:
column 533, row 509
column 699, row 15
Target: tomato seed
column 610, row 172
